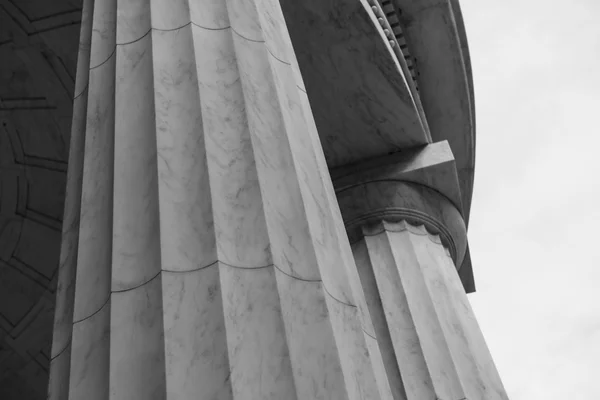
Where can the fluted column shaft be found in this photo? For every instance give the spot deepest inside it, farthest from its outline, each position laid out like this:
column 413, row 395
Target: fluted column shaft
column 439, row 350
column 207, row 252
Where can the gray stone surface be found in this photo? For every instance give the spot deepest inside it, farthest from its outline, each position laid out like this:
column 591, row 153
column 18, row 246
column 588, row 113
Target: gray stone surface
column 202, row 250
column 410, row 279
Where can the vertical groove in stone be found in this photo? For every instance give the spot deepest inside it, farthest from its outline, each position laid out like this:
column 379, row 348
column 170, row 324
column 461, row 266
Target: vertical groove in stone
column 90, row 346
column 389, row 380
column 195, row 342
column 206, row 213
column 187, row 236
column 196, row 360
column 307, row 161
column 433, row 254
column 313, row 355
column 340, row 244
column 65, row 292
column 426, row 317
column 414, row 373
column 90, row 357
column 256, row 341
column 488, row 379
column 95, row 241
column 137, row 352
column 439, row 348
column 136, row 238
column 314, row 322
column 434, row 344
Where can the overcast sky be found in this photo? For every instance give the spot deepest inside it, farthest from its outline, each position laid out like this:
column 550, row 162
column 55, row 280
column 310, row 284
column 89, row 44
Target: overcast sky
column 535, row 221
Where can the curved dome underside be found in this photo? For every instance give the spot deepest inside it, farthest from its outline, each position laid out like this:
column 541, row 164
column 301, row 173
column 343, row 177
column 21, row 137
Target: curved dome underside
column 38, row 54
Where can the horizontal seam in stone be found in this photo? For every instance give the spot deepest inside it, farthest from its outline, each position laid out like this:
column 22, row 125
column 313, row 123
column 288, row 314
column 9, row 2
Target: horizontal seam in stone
column 95, row 312
column 238, row 267
column 277, row 58
column 211, row 29
column 295, row 277
column 368, row 334
column 190, row 23
column 336, row 299
column 215, row 263
column 244, row 37
column 162, row 30
column 191, row 270
column 104, row 62
column 138, row 286
column 172, row 29
column 83, row 91
column 135, row 40
column 63, row 350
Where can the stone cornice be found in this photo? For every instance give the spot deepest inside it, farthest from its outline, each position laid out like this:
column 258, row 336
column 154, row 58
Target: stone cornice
column 430, row 173
column 435, row 34
column 432, row 165
column 400, row 219
column 394, row 201
column 401, row 226
column 399, row 48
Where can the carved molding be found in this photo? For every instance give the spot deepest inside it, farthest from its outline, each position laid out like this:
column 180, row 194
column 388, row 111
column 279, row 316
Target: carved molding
column 394, row 201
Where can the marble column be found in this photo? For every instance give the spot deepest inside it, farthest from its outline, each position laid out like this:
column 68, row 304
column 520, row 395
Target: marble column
column 407, row 239
column 204, row 254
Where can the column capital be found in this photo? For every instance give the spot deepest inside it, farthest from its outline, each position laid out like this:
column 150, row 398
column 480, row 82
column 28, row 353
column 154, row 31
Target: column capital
column 419, row 186
column 381, row 226
column 395, row 201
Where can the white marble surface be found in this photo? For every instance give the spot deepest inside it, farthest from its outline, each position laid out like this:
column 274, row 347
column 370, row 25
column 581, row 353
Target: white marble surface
column 243, row 18
column 95, row 222
column 220, row 237
column 169, row 15
column 209, row 14
column 187, row 231
column 385, row 363
column 104, row 31
column 137, row 344
column 491, row 385
column 257, row 343
column 316, row 364
column 439, row 349
column 196, row 359
column 274, row 32
column 354, row 355
column 133, row 20
column 90, row 356
column 237, row 205
column 136, row 256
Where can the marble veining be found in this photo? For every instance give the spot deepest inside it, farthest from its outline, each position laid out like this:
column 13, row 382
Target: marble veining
column 439, row 351
column 206, row 251
column 92, row 283
column 212, row 258
column 136, row 225
column 187, row 232
column 104, row 32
